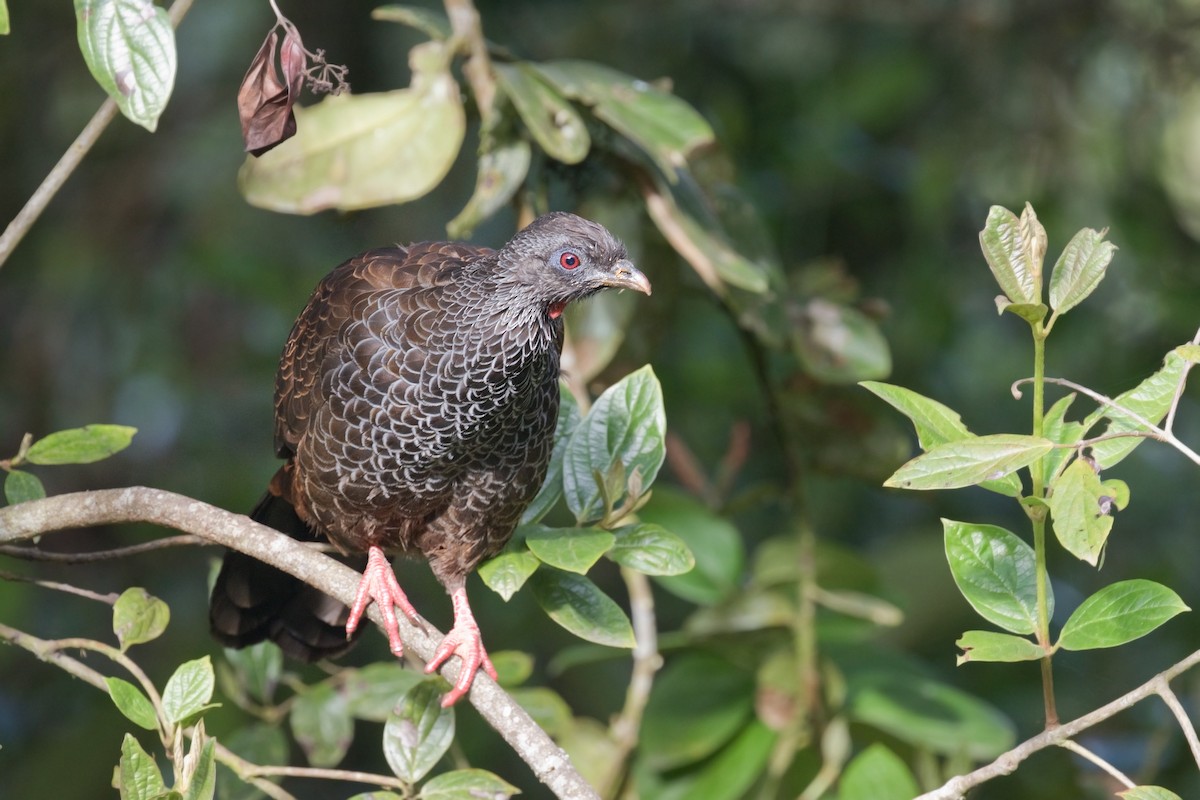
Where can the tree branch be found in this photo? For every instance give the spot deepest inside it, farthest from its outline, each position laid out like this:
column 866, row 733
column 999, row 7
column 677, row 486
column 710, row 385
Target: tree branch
column 236, row 531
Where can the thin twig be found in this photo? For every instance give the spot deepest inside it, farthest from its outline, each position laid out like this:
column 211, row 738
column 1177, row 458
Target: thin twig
column 238, row 532
column 28, row 553
column 1169, row 424
column 1189, row 730
column 957, row 786
column 70, row 160
column 1079, row 750
column 131, row 666
column 109, row 598
column 45, row 651
column 242, row 768
column 351, row 776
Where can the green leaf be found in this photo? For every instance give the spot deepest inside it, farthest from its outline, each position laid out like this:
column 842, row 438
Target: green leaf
column 578, row 605
column 996, row 572
column 365, row 150
column 5, row 29
column 969, row 461
column 258, row 743
column 569, row 417
column 935, row 424
column 503, row 165
column 1148, row 793
column 1079, row 269
column 138, row 777
column 139, row 617
column 506, row 573
column 1032, row 313
column 838, row 344
column 189, row 690
column 626, row 426
column 554, row 123
column 877, row 774
column 1189, row 353
column 651, row 549
column 130, row 701
column 992, row 646
column 1014, row 249
column 513, row 667
column 418, row 731
column 928, row 714
column 698, row 703
column 1056, row 428
column 1120, row 613
column 21, row 486
column 546, row 707
column 322, row 724
column 1077, row 508
column 380, row 795
column 663, row 125
column 732, row 771
column 202, row 783
column 432, row 23
column 80, row 445
column 258, row 668
column 467, row 784
column 129, row 46
column 714, row 542
column 1150, row 399
column 572, row 549
column 372, row 690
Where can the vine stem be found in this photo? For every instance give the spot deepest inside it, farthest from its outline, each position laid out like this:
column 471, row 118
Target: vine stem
column 1038, row 519
column 70, row 160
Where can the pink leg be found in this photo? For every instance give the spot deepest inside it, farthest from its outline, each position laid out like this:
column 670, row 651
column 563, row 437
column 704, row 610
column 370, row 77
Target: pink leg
column 464, row 641
column 379, row 584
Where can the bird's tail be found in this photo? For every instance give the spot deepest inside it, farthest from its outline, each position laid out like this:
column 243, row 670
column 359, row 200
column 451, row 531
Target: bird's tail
column 252, row 601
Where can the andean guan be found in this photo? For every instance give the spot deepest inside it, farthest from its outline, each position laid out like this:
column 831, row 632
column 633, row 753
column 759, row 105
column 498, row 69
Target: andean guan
column 415, row 408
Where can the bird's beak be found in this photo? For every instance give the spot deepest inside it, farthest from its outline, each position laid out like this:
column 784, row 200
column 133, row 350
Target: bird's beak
column 624, row 275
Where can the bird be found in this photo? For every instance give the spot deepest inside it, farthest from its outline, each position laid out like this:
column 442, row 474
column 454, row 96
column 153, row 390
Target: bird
column 415, row 407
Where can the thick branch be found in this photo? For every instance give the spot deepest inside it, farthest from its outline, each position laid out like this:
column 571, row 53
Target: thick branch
column 1004, row 765
column 238, row 532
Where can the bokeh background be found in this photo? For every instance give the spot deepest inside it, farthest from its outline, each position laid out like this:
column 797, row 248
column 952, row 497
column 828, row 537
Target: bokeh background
column 871, row 137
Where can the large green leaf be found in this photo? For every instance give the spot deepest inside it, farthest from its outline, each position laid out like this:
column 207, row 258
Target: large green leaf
column 506, row 573
column 467, row 784
column 372, row 691
column 968, row 462
column 1014, row 248
column 503, row 165
column 1150, row 399
column 418, row 731
column 714, row 542
column 569, row 417
column 993, row 646
column 554, row 123
column 626, row 426
column 434, row 24
column 80, row 445
column 1120, row 613
column 138, row 777
column 877, row 774
column 139, row 617
column 571, row 549
column 1079, row 269
column 189, row 690
column 21, row 487
column 651, row 549
column 1057, row 429
column 365, row 150
column 838, row 344
column 578, row 605
column 129, row 46
column 131, row 702
column 1077, row 506
column 5, row 27
column 321, row 722
column 258, row 668
column 996, row 571
column 1148, row 793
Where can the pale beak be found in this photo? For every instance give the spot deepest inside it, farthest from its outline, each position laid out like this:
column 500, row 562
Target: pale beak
column 624, row 275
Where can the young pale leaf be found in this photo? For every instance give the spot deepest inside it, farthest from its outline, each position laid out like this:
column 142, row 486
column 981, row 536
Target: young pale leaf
column 139, row 617
column 1189, row 353
column 1079, row 269
column 418, row 731
column 993, row 646
column 21, row 486
column 1120, row 613
column 5, row 28
column 129, row 46
column 80, row 445
column 1056, row 428
column 652, row 550
column 189, row 690
column 433, row 24
column 506, row 573
column 202, row 783
column 935, row 424
column 996, row 572
column 380, row 795
column 322, row 724
column 572, row 549
column 714, row 542
column 1150, row 399
column 138, row 777
column 1077, row 505
column 626, row 426
column 1148, row 793
column 1032, row 313
column 569, row 417
column 503, row 165
column 467, row 784
column 130, row 701
column 578, row 605
column 365, row 150
column 554, row 123
column 1009, row 247
column 877, row 774
column 969, row 461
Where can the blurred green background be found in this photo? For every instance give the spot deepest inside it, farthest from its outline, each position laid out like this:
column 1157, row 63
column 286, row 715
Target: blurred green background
column 870, row 136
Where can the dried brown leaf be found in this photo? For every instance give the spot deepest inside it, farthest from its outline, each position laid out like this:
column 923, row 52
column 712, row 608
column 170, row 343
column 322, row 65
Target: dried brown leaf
column 264, row 101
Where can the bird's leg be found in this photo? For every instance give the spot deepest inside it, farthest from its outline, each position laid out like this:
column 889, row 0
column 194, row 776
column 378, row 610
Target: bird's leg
column 464, row 641
column 379, row 584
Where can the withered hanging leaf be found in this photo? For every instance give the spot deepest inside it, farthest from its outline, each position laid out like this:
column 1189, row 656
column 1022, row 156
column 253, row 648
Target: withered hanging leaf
column 264, row 102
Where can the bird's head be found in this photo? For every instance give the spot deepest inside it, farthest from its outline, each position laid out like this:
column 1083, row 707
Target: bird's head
column 561, row 258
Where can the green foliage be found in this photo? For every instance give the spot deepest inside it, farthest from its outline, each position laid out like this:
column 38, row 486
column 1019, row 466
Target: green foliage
column 84, row 445
column 996, row 572
column 877, row 774
column 139, row 617
column 992, row 646
column 418, row 731
column 322, row 724
column 578, row 605
column 1119, row 613
column 133, row 703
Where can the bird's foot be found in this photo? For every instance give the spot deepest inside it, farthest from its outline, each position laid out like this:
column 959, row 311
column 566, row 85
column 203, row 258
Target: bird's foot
column 463, row 641
column 379, row 584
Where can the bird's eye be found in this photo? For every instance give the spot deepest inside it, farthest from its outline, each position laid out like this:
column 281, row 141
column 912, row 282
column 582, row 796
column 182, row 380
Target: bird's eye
column 569, row 260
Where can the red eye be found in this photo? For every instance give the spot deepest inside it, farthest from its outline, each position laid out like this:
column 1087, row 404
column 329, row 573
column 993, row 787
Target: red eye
column 569, row 260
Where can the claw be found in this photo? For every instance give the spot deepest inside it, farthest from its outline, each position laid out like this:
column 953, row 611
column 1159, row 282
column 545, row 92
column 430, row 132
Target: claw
column 379, row 584
column 464, row 641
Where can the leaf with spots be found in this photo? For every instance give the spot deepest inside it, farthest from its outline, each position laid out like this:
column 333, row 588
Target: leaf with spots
column 418, row 731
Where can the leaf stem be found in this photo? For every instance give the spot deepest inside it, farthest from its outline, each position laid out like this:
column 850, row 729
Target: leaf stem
column 1037, row 515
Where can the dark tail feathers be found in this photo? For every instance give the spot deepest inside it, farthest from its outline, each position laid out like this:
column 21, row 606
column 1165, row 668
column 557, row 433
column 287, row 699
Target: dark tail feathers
column 252, row 601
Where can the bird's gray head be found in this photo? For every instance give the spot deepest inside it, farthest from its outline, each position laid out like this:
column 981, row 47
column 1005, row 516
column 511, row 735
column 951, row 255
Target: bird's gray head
column 560, row 258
